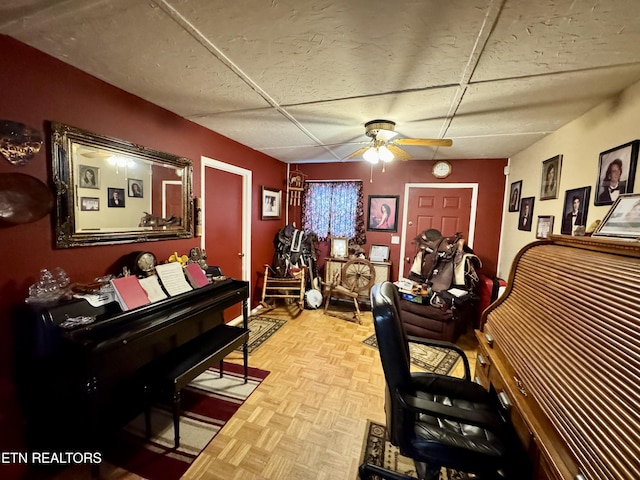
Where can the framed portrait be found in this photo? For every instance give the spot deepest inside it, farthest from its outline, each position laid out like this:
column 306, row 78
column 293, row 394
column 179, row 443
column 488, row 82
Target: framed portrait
column 616, row 173
column 115, row 197
column 89, row 176
column 545, row 226
column 271, row 203
column 383, row 213
column 623, row 218
column 379, row 253
column 514, row 196
column 526, row 214
column 550, row 180
column 576, row 209
column 339, row 247
column 135, row 188
column 89, row 204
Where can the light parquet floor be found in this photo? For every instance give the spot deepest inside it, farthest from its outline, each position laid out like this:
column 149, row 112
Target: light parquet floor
column 308, row 417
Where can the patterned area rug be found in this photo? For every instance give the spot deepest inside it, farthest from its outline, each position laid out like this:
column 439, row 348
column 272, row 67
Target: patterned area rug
column 432, row 359
column 261, row 329
column 208, row 403
column 378, row 451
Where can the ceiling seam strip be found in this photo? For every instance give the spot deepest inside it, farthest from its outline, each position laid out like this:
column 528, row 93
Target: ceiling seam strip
column 205, row 42
column 490, row 19
column 47, row 14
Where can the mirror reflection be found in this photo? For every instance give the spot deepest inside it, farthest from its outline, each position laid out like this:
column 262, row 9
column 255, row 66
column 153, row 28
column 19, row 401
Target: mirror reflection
column 112, row 191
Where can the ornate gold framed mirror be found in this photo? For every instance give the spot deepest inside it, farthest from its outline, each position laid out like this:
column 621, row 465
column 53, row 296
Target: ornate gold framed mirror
column 111, row 191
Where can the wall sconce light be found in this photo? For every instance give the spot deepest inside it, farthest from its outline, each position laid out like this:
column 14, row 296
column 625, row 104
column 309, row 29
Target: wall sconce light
column 197, row 216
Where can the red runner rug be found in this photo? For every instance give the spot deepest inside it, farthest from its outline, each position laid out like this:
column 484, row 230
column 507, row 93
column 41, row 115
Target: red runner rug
column 207, row 403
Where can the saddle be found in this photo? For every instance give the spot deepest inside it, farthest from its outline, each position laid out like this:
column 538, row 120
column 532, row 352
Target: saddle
column 434, row 261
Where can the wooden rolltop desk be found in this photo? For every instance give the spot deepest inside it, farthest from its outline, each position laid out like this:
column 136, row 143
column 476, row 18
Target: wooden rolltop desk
column 561, row 348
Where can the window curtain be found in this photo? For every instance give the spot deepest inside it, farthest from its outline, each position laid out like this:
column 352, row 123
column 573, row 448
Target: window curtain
column 336, row 209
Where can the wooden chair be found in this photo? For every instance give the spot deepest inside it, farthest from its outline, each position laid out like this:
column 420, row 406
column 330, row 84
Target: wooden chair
column 355, row 276
column 289, row 288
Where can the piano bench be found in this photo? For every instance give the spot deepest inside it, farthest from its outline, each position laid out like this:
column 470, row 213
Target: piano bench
column 171, row 373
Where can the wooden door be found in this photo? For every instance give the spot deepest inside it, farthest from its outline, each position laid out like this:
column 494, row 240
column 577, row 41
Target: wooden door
column 223, row 225
column 445, row 209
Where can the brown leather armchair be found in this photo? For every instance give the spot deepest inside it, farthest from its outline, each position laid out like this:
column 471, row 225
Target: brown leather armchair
column 438, row 323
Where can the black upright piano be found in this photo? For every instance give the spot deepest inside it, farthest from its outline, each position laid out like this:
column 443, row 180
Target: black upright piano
column 79, row 384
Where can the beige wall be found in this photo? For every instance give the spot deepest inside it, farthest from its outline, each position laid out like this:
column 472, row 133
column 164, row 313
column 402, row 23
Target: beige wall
column 612, row 123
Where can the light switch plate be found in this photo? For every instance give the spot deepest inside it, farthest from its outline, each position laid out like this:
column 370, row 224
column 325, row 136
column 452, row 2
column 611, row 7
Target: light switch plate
column 395, row 240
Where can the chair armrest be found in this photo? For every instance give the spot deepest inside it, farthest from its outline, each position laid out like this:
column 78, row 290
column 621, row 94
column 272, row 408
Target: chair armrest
column 447, row 345
column 477, row 417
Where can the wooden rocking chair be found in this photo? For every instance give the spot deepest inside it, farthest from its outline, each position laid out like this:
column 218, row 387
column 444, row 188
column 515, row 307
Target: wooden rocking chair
column 289, row 288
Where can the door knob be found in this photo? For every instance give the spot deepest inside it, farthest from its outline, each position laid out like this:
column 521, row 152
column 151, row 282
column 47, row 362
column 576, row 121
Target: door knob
column 241, row 254
column 410, row 223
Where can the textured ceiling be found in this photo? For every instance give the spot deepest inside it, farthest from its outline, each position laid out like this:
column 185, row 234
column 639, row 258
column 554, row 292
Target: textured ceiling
column 298, row 79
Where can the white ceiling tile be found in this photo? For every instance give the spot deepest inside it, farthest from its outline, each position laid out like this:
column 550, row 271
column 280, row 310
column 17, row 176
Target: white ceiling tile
column 298, row 80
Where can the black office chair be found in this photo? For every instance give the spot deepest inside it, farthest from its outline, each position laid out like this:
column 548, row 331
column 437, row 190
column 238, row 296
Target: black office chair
column 436, row 420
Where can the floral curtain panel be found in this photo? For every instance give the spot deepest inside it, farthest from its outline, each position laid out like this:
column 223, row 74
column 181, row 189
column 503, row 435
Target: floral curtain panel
column 336, row 209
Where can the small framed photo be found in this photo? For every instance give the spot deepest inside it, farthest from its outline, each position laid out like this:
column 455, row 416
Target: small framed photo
column 550, row 178
column 383, row 213
column 616, row 173
column 339, row 247
column 89, row 204
column 89, row 176
column 514, row 196
column 135, row 188
column 545, row 226
column 526, row 214
column 623, row 218
column 271, row 204
column 576, row 209
column 379, row 253
column 115, row 197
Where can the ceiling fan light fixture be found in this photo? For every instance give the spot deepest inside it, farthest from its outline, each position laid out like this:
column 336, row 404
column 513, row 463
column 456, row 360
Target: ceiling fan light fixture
column 371, row 155
column 385, row 154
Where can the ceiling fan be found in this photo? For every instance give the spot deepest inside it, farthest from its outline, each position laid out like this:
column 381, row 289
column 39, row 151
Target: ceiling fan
column 383, row 148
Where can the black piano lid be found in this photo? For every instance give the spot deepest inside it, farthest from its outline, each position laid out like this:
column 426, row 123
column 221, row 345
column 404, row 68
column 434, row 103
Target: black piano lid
column 112, row 323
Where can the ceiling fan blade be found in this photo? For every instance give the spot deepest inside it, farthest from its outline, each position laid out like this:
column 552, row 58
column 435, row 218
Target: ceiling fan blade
column 357, row 153
column 385, row 135
column 399, row 153
column 424, row 142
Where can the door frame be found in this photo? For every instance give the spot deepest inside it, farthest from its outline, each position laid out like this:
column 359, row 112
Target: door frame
column 246, row 176
column 165, row 183
column 472, row 214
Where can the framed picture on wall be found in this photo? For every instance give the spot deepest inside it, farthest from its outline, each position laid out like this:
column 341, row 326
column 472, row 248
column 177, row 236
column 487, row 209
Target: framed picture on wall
column 550, row 178
column 271, row 204
column 576, row 209
column 526, row 214
column 135, row 188
column 115, row 197
column 545, row 226
column 616, row 173
column 89, row 176
column 89, row 204
column 383, row 213
column 514, row 196
column 623, row 218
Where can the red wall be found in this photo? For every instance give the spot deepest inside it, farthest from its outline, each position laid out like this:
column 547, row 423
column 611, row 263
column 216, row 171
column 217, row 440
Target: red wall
column 37, row 88
column 488, row 174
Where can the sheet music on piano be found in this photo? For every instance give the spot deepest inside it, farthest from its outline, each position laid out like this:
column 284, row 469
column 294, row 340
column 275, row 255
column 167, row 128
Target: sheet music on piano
column 172, row 278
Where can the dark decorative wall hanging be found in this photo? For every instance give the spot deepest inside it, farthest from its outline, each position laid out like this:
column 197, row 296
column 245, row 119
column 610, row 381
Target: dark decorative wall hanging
column 18, row 142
